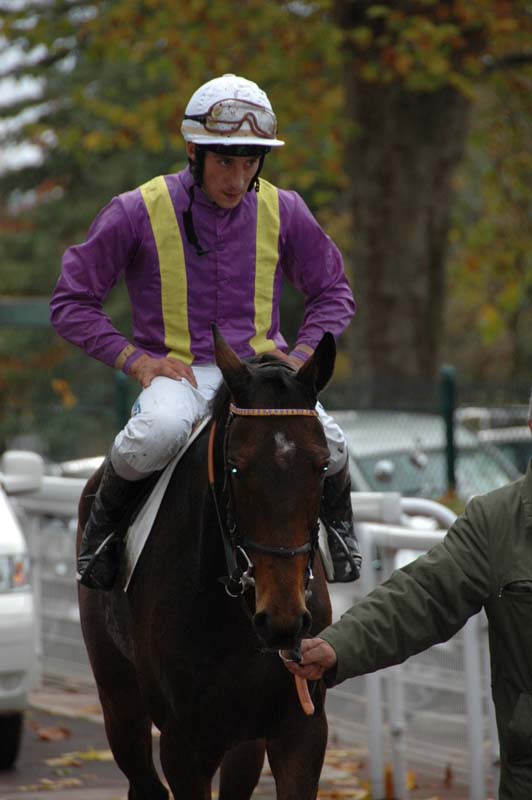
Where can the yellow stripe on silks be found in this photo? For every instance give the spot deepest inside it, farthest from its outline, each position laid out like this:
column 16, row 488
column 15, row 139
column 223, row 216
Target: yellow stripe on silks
column 267, row 256
column 171, row 267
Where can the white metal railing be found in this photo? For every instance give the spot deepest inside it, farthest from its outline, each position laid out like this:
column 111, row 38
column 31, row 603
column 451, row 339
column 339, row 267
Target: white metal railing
column 384, row 520
column 392, row 539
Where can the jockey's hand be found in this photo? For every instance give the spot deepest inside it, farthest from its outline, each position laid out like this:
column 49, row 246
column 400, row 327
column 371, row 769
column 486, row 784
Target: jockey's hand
column 146, row 368
column 294, row 362
column 317, row 656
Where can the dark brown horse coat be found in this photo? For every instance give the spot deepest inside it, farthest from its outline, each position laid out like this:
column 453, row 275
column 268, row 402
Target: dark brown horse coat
column 177, row 649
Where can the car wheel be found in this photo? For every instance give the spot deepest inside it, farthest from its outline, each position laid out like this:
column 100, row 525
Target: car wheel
column 10, row 738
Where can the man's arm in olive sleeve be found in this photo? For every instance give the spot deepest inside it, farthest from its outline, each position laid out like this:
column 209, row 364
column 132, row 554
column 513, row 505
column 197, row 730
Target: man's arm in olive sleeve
column 423, row 603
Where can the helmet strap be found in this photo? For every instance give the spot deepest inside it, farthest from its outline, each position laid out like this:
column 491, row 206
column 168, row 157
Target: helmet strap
column 255, row 183
column 190, row 231
column 196, row 165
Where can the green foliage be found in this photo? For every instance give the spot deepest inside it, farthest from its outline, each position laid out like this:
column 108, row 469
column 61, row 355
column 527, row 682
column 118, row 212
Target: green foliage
column 490, row 268
column 115, row 77
column 425, row 45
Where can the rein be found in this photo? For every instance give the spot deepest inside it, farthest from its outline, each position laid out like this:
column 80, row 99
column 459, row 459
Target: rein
column 238, row 580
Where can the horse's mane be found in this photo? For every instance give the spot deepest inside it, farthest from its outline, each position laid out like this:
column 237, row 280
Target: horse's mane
column 278, row 375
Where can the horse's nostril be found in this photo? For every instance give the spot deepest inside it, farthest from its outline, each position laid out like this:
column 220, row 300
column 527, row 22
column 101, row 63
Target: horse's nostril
column 261, row 620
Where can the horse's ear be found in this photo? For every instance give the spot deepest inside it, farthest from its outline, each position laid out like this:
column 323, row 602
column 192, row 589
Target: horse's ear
column 318, row 370
column 236, row 374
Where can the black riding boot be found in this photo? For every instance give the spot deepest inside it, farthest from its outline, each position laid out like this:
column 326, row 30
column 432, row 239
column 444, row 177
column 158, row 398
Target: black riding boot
column 337, row 516
column 99, row 551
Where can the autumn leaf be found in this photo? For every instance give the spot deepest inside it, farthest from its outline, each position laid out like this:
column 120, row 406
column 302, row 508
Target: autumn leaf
column 91, row 755
column 53, row 734
column 47, row 785
column 68, row 760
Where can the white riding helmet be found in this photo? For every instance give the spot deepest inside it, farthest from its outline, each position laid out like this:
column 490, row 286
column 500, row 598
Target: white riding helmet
column 230, row 111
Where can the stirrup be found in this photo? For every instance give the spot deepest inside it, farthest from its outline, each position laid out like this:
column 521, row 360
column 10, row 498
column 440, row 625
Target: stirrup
column 108, row 568
column 348, row 561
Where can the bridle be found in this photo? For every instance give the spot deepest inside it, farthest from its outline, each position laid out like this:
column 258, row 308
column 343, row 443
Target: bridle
column 235, row 542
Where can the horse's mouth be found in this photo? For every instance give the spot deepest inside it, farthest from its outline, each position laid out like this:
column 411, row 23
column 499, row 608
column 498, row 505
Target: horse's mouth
column 281, row 635
column 291, row 649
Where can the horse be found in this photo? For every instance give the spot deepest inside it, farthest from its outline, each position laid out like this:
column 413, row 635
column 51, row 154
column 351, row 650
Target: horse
column 226, row 581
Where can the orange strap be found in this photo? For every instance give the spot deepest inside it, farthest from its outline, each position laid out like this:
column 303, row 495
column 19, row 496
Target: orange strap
column 210, row 454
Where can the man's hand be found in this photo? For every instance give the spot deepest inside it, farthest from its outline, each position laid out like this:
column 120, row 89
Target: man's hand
column 294, row 362
column 146, row 368
column 317, row 656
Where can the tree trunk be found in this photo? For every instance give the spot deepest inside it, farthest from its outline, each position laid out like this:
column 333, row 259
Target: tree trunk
column 401, row 160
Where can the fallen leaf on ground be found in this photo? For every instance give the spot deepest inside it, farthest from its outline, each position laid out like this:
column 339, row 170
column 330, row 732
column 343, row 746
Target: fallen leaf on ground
column 388, row 782
column 411, row 780
column 93, row 709
column 54, row 734
column 350, row 781
column 68, row 760
column 46, row 785
column 90, row 755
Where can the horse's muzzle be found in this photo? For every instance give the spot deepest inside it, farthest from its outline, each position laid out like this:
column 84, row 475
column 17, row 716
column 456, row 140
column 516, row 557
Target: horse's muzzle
column 281, row 633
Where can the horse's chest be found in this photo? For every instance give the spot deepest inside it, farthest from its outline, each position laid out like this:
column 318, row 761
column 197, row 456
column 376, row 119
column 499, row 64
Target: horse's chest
column 243, row 702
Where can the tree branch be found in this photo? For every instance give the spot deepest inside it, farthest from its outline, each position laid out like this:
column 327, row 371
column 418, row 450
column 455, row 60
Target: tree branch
column 507, row 62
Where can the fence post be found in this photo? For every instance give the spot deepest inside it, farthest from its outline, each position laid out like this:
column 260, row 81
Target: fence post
column 374, row 700
column 448, row 404
column 474, row 706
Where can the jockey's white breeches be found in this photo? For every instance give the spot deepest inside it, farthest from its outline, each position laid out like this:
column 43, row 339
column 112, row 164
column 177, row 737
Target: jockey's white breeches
column 164, row 414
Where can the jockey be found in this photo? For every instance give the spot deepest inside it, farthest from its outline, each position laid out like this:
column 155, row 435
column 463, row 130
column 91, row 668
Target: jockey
column 210, row 244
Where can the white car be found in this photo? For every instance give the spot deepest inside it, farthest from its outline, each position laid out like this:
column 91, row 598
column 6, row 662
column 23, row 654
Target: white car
column 18, row 633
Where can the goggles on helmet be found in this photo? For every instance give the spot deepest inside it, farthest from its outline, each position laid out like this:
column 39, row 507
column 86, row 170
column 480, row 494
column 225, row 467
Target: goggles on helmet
column 228, row 116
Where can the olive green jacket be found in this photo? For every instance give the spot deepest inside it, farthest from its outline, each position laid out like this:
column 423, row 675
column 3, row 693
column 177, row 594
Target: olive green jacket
column 485, row 560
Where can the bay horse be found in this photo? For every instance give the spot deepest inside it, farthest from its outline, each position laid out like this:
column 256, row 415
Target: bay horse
column 197, row 656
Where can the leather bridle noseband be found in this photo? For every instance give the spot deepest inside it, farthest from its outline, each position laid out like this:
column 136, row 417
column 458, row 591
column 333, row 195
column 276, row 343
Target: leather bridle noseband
column 238, row 580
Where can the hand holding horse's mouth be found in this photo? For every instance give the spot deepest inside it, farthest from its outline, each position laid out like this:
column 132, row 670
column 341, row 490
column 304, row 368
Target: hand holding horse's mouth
column 294, row 657
column 316, row 657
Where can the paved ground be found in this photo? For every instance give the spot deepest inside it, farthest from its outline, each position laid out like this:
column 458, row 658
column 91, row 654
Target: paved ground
column 65, row 757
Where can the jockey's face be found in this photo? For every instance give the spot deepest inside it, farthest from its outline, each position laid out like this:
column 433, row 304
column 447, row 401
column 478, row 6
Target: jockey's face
column 226, row 178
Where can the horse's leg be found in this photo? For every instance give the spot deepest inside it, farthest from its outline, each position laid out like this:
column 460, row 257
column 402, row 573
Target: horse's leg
column 296, row 756
column 182, row 767
column 129, row 732
column 240, row 770
column 127, row 724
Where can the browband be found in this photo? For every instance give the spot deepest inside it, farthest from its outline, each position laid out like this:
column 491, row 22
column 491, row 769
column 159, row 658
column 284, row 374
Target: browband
column 272, row 412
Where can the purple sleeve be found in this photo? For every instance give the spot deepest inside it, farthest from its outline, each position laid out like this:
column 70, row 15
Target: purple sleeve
column 313, row 264
column 89, row 271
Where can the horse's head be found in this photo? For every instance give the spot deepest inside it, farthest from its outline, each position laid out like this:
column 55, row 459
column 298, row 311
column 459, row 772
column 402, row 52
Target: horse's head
column 276, row 461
